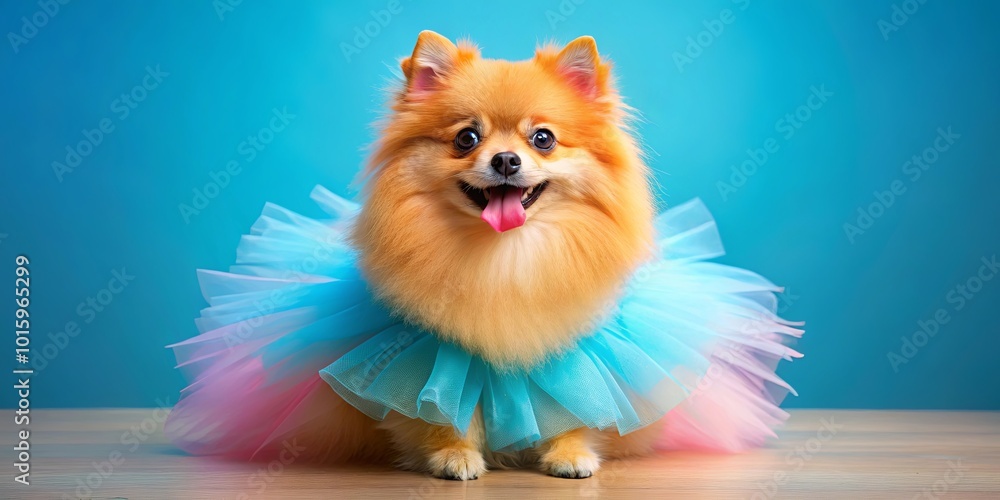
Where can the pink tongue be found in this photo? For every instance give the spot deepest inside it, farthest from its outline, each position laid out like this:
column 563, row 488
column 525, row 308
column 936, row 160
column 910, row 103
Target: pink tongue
column 504, row 210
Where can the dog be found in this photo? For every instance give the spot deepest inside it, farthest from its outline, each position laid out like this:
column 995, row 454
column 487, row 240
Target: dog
column 506, row 204
column 507, row 217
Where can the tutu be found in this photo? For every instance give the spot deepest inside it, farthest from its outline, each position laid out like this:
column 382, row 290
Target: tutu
column 692, row 342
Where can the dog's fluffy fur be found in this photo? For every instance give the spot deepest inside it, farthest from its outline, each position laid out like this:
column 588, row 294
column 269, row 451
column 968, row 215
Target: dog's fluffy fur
column 512, row 297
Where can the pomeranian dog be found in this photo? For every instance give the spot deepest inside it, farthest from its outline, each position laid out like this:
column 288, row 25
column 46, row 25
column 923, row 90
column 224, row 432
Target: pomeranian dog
column 506, row 209
column 506, row 205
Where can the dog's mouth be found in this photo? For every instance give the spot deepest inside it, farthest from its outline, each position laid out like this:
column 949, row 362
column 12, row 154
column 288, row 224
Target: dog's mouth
column 503, row 205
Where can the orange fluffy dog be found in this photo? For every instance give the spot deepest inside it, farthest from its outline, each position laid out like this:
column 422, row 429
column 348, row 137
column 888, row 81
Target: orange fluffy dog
column 506, row 206
column 506, row 217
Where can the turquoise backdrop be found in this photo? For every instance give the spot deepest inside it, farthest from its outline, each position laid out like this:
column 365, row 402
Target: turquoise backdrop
column 849, row 150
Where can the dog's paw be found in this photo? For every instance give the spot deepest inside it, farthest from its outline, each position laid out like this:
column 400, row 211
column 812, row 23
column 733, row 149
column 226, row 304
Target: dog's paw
column 572, row 464
column 460, row 464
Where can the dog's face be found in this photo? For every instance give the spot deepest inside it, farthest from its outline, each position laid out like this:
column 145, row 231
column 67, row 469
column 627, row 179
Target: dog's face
column 507, row 202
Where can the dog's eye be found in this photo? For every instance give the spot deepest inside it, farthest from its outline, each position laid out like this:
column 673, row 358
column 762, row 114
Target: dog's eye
column 466, row 139
column 543, row 139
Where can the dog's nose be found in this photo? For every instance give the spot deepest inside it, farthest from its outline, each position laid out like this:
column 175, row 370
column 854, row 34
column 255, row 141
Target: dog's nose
column 507, row 163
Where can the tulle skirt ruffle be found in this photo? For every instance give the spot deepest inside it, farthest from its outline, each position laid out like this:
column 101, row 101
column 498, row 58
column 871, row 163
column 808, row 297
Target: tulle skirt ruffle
column 692, row 342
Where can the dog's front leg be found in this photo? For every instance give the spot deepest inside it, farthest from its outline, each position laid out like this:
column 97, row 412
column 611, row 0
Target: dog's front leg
column 438, row 449
column 569, row 455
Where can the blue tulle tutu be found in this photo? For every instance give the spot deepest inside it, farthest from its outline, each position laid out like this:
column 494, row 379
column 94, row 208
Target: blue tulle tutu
column 296, row 303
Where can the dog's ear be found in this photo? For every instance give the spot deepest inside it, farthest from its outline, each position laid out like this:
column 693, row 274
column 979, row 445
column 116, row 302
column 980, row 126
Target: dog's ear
column 433, row 58
column 580, row 63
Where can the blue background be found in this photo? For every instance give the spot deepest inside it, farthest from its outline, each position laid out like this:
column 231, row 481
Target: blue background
column 860, row 295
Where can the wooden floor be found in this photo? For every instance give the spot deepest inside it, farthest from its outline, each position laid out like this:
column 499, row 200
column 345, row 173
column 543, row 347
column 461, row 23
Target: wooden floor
column 821, row 454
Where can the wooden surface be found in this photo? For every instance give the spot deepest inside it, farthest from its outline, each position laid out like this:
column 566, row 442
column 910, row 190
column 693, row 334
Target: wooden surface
column 821, row 454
